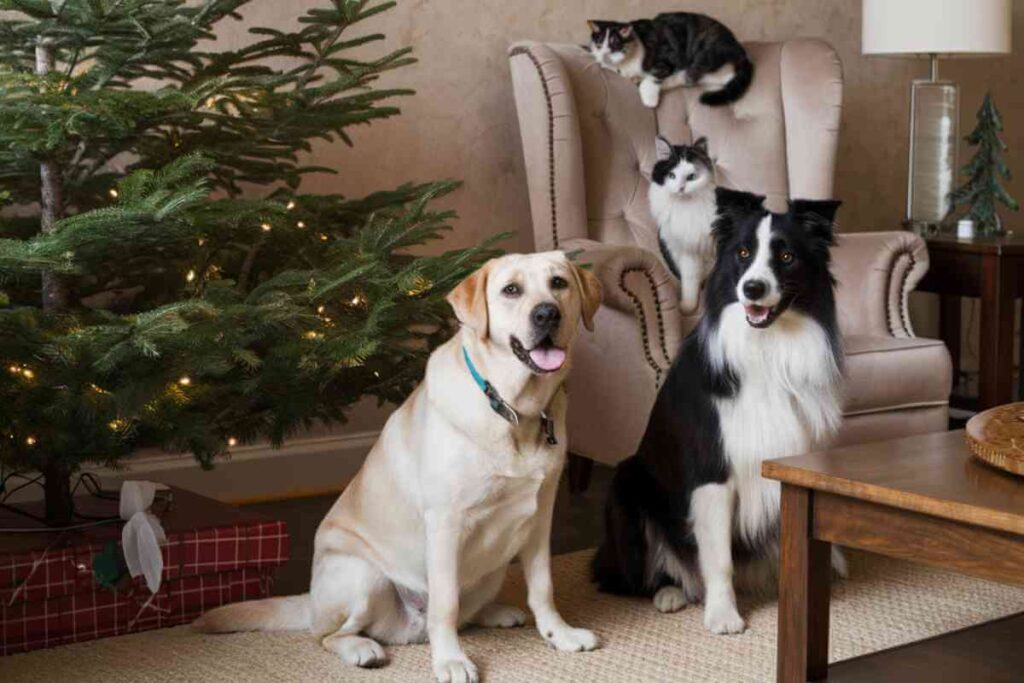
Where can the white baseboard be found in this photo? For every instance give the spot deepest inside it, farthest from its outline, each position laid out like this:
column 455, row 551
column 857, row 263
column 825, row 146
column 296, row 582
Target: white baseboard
column 303, row 466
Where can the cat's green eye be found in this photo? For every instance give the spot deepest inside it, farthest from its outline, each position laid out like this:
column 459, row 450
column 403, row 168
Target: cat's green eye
column 692, row 176
column 671, row 175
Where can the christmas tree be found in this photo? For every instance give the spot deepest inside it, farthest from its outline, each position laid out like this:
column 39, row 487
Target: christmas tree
column 163, row 278
column 981, row 192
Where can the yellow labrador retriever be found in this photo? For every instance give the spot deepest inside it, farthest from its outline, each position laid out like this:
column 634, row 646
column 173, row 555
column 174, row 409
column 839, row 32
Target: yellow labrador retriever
column 461, row 482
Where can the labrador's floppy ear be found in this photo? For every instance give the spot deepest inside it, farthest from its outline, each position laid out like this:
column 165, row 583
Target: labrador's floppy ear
column 591, row 292
column 469, row 301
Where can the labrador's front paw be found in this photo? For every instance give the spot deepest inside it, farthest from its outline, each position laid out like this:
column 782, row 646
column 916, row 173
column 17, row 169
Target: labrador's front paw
column 569, row 639
column 456, row 670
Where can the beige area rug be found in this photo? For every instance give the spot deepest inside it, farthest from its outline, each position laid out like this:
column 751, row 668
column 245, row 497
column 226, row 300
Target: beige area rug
column 884, row 603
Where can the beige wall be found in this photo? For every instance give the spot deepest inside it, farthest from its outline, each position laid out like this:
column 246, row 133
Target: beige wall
column 462, row 124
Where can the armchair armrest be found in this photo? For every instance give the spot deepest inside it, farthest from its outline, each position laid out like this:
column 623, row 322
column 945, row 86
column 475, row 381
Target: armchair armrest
column 876, row 273
column 552, row 148
column 637, row 283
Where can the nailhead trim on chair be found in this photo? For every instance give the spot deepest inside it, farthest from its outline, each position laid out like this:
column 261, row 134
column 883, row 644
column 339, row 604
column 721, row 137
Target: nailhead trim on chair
column 551, row 139
column 904, row 293
column 638, row 305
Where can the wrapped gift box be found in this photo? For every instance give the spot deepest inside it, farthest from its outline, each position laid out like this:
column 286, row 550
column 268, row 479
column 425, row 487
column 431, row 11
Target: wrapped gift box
column 52, row 588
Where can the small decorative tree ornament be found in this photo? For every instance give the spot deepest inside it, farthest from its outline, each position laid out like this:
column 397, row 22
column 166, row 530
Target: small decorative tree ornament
column 983, row 188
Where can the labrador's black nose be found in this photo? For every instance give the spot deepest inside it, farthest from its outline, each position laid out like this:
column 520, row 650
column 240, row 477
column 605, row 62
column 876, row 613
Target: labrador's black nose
column 546, row 316
column 754, row 289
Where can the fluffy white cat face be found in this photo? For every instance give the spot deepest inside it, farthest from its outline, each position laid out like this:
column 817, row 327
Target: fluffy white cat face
column 687, row 177
column 683, row 169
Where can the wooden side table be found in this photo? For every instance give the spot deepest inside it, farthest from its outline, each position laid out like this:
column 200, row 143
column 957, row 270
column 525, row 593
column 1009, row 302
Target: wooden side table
column 923, row 499
column 991, row 269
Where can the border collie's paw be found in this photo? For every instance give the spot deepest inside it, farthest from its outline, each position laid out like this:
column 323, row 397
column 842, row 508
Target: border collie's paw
column 669, row 599
column 723, row 619
column 459, row 670
column 500, row 616
column 650, row 94
column 569, row 639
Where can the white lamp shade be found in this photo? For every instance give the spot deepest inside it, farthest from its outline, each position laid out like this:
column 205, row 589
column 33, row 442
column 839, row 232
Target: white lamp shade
column 945, row 27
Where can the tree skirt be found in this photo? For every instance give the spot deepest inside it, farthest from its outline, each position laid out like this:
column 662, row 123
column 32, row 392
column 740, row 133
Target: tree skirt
column 884, row 603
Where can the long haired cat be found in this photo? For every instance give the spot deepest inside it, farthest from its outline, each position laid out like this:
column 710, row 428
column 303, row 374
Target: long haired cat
column 682, row 199
column 674, row 49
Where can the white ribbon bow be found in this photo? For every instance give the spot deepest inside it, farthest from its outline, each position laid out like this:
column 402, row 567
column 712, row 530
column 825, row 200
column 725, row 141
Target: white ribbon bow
column 142, row 534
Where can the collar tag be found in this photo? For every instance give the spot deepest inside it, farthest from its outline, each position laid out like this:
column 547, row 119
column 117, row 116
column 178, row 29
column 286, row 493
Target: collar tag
column 547, row 425
column 500, row 405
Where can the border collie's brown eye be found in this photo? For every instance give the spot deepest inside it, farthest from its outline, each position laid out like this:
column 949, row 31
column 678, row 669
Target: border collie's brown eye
column 559, row 282
column 511, row 290
column 787, row 257
column 744, row 253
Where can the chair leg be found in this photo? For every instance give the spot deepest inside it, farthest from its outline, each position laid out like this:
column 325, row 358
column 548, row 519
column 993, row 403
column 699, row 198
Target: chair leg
column 580, row 469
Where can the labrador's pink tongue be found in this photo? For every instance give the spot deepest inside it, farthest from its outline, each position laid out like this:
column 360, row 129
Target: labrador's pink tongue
column 548, row 359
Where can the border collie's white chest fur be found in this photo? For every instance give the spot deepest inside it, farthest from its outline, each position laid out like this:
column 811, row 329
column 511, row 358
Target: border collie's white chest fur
column 788, row 403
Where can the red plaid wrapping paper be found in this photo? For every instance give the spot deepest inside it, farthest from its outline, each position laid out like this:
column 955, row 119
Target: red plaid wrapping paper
column 49, row 596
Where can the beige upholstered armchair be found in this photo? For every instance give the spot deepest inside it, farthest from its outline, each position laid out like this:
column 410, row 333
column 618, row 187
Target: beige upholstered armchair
column 588, row 144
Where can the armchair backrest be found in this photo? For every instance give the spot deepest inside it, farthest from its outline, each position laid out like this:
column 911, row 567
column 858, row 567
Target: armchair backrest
column 589, row 142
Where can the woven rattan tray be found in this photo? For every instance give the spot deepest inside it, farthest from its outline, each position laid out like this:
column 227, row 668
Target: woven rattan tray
column 997, row 437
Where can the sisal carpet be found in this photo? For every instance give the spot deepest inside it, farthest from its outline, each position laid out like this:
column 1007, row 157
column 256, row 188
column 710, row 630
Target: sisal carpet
column 884, row 603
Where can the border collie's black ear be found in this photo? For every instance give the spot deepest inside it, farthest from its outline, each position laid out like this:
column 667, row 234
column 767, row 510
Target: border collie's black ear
column 662, row 148
column 733, row 205
column 701, row 143
column 737, row 202
column 817, row 215
column 594, row 26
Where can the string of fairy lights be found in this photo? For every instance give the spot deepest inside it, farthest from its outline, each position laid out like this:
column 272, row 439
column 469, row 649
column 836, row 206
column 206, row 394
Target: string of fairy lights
column 120, row 424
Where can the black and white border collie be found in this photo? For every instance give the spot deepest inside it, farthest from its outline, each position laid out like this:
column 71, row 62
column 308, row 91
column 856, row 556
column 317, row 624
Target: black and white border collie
column 758, row 378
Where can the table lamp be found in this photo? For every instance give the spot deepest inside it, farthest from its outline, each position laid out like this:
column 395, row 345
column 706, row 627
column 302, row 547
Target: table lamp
column 933, row 29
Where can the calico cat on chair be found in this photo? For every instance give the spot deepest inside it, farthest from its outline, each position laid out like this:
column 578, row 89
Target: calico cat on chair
column 672, row 50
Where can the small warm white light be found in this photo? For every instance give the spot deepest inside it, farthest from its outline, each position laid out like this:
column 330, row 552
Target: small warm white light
column 28, row 374
column 190, row 276
column 30, row 441
column 265, row 227
column 312, row 335
column 321, row 309
column 117, row 424
column 300, row 225
column 185, row 381
column 200, row 241
column 113, row 193
column 356, row 300
column 290, row 205
column 376, row 374
column 232, row 441
column 14, row 369
column 323, row 237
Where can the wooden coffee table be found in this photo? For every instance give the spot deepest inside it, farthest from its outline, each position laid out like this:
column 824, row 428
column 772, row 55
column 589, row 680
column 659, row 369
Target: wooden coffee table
column 923, row 499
